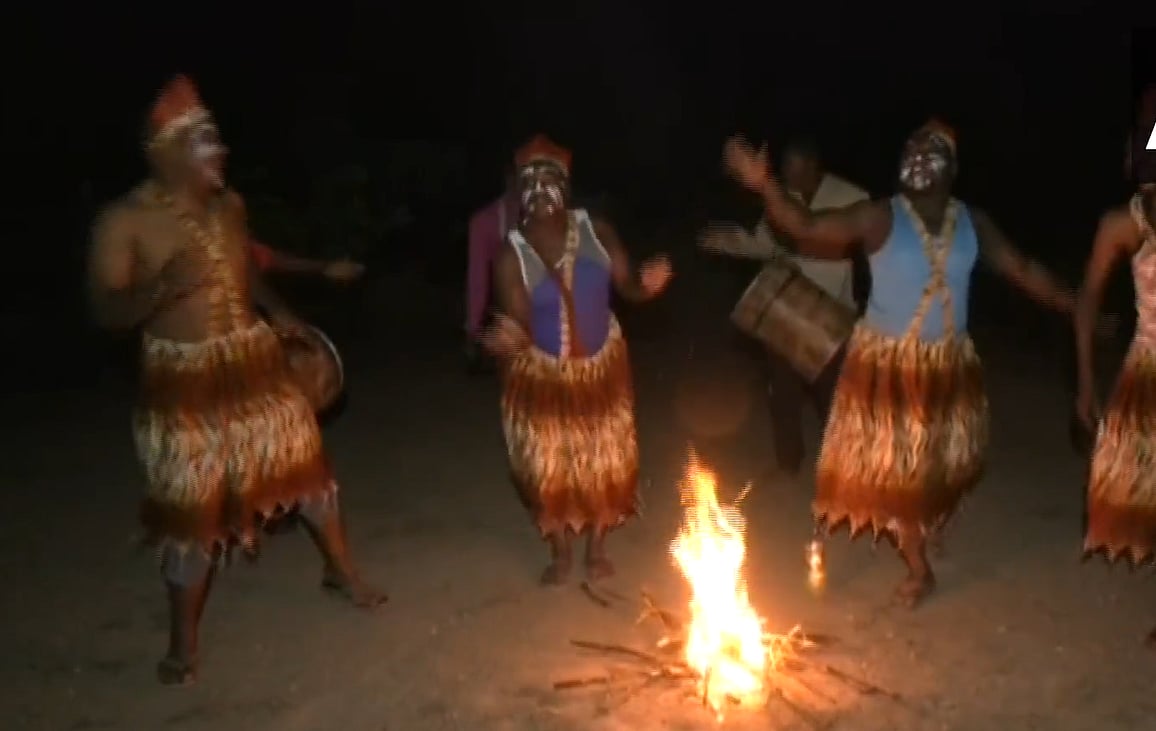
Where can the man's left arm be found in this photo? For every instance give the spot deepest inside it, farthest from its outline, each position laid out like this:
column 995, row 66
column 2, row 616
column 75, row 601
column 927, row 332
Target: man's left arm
column 627, row 280
column 1028, row 275
column 263, row 295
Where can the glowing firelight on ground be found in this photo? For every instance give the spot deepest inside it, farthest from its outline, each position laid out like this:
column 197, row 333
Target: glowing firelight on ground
column 726, row 644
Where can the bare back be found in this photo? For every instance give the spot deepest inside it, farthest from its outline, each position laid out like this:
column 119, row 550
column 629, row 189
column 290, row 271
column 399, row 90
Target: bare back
column 140, row 236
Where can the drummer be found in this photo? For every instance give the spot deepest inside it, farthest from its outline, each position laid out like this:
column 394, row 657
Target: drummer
column 807, row 180
column 225, row 436
column 908, row 428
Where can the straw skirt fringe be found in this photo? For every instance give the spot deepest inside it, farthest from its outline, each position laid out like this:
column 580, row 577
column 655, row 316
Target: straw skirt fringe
column 570, row 436
column 1122, row 485
column 225, row 438
column 906, row 436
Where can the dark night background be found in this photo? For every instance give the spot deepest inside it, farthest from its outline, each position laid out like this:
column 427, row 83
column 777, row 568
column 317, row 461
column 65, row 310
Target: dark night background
column 341, row 115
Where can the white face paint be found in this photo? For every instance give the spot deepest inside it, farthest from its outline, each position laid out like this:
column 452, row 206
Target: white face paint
column 543, row 189
column 207, row 153
column 926, row 160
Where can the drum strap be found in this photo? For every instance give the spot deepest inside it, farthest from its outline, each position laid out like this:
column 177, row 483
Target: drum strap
column 936, row 249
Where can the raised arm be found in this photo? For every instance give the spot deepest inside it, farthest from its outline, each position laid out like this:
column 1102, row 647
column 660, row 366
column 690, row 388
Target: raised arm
column 1117, row 236
column 829, row 234
column 116, row 299
column 1031, row 277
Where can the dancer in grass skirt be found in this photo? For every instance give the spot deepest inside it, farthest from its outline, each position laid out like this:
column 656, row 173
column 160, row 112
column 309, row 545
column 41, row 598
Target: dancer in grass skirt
column 908, row 428
column 568, row 403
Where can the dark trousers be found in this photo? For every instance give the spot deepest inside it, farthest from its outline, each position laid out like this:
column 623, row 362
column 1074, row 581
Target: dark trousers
column 789, row 391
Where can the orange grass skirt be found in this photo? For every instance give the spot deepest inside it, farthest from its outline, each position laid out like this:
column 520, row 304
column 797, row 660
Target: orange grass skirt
column 225, row 437
column 1122, row 486
column 570, row 436
column 906, row 436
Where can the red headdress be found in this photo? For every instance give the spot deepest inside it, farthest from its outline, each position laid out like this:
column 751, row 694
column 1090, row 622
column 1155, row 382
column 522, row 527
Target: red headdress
column 940, row 129
column 542, row 149
column 178, row 106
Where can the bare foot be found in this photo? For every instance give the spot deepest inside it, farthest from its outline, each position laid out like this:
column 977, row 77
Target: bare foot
column 176, row 671
column 599, row 567
column 914, row 590
column 362, row 595
column 557, row 573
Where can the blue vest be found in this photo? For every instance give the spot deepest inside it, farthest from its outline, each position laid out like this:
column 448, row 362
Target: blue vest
column 900, row 270
column 590, row 286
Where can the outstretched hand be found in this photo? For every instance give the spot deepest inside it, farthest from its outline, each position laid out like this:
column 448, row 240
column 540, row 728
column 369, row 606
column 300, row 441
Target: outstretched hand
column 343, row 271
column 655, row 274
column 749, row 167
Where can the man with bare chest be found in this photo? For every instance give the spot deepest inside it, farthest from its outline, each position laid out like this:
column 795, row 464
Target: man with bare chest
column 226, row 437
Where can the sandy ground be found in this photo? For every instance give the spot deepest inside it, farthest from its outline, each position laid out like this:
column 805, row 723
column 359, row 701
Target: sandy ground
column 1021, row 635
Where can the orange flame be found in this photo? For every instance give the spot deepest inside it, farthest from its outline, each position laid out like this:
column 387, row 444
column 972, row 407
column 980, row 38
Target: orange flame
column 726, row 645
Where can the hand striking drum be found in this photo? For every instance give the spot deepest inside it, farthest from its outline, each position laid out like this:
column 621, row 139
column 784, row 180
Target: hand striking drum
column 225, row 432
column 908, row 427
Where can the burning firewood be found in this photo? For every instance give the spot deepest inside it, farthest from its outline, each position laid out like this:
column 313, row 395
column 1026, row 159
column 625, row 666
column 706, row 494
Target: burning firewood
column 722, row 655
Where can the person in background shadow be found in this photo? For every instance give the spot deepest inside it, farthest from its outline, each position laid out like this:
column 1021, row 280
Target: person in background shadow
column 807, row 180
column 488, row 229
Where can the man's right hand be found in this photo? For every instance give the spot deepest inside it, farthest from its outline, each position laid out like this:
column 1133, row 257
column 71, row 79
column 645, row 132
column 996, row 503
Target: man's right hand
column 748, row 166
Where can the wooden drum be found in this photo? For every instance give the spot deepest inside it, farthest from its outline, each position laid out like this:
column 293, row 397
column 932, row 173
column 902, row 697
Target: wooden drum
column 794, row 317
column 316, row 365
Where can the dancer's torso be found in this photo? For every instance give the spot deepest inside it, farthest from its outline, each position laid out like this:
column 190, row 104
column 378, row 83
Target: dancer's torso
column 222, row 303
column 586, row 271
column 902, row 270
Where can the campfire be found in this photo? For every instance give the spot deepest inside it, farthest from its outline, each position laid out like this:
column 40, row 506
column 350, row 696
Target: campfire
column 726, row 645
column 721, row 653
